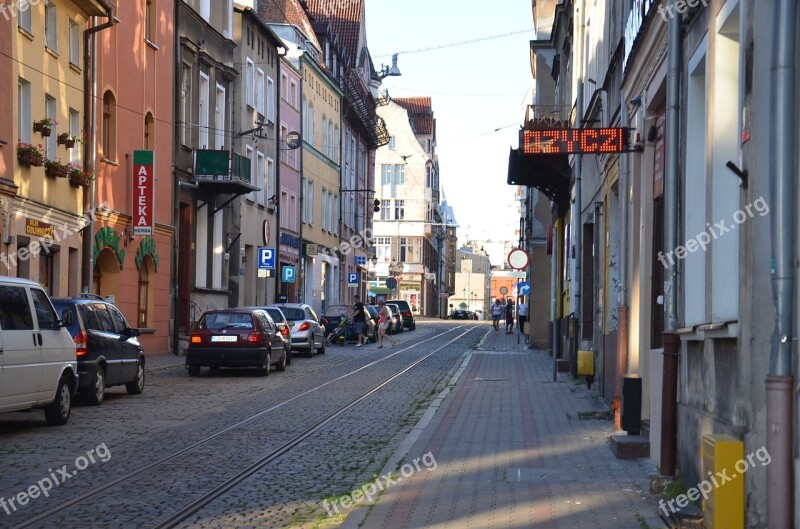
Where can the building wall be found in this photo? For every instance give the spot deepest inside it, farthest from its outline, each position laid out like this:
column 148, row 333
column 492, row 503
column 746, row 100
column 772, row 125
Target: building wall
column 290, row 163
column 126, row 53
column 8, row 141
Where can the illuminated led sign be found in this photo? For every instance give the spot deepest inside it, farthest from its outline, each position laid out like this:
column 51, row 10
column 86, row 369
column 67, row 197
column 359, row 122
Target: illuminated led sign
column 574, row 141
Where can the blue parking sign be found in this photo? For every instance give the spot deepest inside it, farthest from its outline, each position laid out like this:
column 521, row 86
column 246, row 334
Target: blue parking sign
column 288, row 274
column 266, row 258
column 352, row 278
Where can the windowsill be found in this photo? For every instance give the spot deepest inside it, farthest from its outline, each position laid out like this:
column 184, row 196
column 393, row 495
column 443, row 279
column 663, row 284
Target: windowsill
column 186, row 147
column 25, row 32
column 109, row 162
column 728, row 329
column 75, row 68
column 147, row 330
column 151, row 44
column 52, row 52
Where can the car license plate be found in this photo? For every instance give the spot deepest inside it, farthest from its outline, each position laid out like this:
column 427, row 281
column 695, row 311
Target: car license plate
column 225, row 338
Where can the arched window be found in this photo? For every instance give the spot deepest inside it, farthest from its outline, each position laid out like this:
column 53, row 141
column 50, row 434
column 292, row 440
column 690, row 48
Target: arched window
column 109, row 126
column 310, row 132
column 323, row 147
column 106, row 274
column 149, row 132
column 146, row 297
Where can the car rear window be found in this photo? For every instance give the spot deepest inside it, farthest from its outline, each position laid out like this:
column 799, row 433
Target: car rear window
column 276, row 315
column 294, row 314
column 217, row 321
column 403, row 305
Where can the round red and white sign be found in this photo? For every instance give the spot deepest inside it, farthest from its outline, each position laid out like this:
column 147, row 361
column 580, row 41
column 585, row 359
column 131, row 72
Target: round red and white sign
column 518, row 259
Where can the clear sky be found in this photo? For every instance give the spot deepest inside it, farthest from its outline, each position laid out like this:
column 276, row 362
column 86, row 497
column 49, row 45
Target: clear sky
column 475, row 88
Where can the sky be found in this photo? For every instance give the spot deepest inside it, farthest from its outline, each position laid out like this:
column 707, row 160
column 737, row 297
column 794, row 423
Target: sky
column 478, row 91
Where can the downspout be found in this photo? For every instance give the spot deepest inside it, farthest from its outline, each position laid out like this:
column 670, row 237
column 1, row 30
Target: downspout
column 779, row 380
column 90, row 147
column 669, row 389
column 554, row 269
column 622, row 303
column 278, row 162
column 176, row 188
column 301, row 290
column 577, row 229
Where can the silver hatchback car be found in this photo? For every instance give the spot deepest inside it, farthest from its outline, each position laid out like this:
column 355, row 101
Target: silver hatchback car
column 308, row 333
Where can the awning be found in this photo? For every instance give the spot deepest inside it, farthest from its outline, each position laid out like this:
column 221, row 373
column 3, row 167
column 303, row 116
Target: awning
column 380, row 291
column 549, row 173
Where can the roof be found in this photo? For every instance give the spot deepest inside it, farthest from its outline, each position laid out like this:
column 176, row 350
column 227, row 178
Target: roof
column 420, row 113
column 289, row 12
column 345, row 22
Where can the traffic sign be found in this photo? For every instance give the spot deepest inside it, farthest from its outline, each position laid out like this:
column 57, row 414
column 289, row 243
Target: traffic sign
column 391, row 283
column 524, row 288
column 266, row 258
column 518, row 274
column 352, row 279
column 288, row 274
column 503, row 290
column 518, row 259
column 361, row 260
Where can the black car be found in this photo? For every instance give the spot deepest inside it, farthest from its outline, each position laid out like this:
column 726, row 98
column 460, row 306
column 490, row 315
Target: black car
column 405, row 311
column 107, row 350
column 462, row 315
column 240, row 337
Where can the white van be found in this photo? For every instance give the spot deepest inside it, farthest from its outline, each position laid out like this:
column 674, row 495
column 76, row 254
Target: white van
column 38, row 366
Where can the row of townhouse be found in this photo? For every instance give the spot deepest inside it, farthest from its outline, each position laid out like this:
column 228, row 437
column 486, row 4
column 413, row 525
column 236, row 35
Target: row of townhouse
column 673, row 259
column 179, row 155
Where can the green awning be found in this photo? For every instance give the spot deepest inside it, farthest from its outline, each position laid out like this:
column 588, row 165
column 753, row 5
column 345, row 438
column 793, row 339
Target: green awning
column 380, row 291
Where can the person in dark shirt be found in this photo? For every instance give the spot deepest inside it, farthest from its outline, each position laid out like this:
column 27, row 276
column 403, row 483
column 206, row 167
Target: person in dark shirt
column 359, row 320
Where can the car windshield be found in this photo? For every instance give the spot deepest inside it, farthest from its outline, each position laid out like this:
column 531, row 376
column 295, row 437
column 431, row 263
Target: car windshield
column 218, row 321
column 293, row 314
column 337, row 310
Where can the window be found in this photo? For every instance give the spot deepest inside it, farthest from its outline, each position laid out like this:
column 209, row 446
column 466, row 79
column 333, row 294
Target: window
column 331, row 141
column 310, row 200
column 249, row 154
column 303, row 117
column 149, row 139
column 149, row 22
column 386, row 212
column 335, row 157
column 410, row 250
column 24, row 20
column 392, row 142
column 74, row 43
column 45, row 313
column 250, row 83
column 324, row 224
column 383, row 249
column 116, row 315
column 336, row 213
column 203, row 110
column 386, row 174
column 144, row 286
column 51, row 143
column 324, row 145
column 261, row 177
column 285, row 212
column 219, row 118
column 75, row 130
column 293, row 212
column 331, row 213
column 260, row 96
column 293, row 93
column 186, row 104
column 270, row 100
column 399, row 174
column 303, row 199
column 284, row 87
column 310, row 132
column 51, row 26
column 109, row 126
column 399, row 209
column 205, row 9
column 271, row 192
column 25, row 125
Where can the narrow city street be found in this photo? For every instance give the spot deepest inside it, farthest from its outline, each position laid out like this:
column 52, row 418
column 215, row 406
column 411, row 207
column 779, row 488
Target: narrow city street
column 453, row 425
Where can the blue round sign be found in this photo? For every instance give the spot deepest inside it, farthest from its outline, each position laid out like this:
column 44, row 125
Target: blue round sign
column 391, row 283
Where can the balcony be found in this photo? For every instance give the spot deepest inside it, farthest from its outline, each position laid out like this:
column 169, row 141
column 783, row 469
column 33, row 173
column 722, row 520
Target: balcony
column 95, row 7
column 222, row 172
column 545, row 117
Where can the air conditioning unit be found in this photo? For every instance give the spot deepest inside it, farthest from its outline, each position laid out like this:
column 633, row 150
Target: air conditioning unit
column 723, row 506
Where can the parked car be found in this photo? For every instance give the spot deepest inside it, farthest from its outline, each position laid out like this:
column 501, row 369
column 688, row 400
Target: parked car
column 284, row 330
column 240, row 337
column 334, row 314
column 395, row 320
column 308, row 334
column 462, row 314
column 372, row 324
column 106, row 346
column 405, row 309
column 38, row 368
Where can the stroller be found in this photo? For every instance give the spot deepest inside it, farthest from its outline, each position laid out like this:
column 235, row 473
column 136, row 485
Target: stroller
column 341, row 333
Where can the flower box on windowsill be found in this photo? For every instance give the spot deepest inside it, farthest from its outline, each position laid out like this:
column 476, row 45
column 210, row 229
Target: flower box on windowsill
column 80, row 178
column 55, row 169
column 30, row 155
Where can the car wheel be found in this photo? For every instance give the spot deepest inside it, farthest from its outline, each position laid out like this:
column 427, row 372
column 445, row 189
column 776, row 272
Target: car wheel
column 263, row 369
column 310, row 352
column 321, row 349
column 57, row 412
column 194, row 371
column 215, row 369
column 281, row 366
column 288, row 355
column 136, row 386
column 413, row 326
column 96, row 390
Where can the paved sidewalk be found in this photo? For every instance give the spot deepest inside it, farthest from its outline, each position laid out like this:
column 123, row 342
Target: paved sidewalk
column 511, row 452
column 163, row 361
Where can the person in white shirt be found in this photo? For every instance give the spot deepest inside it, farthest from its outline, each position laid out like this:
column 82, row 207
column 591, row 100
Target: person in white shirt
column 523, row 315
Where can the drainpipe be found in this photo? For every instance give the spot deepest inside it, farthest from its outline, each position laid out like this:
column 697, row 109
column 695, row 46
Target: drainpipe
column 669, row 388
column 278, row 180
column 577, row 228
column 779, row 380
column 622, row 303
column 301, row 268
column 90, row 147
column 554, row 291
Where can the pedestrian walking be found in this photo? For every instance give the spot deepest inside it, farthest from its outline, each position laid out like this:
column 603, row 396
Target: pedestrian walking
column 509, row 316
column 359, row 320
column 522, row 316
column 384, row 317
column 497, row 313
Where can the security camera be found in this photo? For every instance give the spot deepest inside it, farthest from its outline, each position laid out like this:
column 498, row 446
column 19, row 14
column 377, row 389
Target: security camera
column 637, row 101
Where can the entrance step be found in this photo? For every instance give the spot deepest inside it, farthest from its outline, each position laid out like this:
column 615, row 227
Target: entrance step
column 630, row 446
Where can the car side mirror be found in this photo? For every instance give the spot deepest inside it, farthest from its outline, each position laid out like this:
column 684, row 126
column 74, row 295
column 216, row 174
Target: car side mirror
column 291, row 324
column 66, row 319
column 129, row 333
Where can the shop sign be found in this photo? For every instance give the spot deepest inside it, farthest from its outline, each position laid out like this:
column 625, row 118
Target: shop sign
column 38, row 228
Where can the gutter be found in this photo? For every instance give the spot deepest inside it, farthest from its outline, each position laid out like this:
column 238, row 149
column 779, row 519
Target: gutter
column 90, row 147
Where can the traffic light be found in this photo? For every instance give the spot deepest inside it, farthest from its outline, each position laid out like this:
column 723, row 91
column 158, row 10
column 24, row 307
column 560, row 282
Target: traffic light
column 376, row 205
